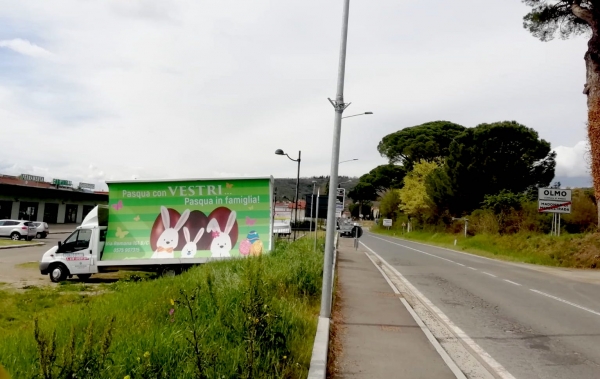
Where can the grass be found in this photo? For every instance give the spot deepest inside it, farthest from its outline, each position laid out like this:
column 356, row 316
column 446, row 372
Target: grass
column 28, row 265
column 7, row 242
column 248, row 318
column 568, row 250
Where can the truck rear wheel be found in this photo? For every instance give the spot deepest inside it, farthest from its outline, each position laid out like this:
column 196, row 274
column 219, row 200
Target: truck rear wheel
column 58, row 273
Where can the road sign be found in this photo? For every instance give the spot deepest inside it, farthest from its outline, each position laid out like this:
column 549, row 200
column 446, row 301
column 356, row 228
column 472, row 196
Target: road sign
column 553, row 206
column 87, row 185
column 387, row 222
column 32, row 178
column 554, row 194
column 554, row 200
column 339, row 203
column 62, row 182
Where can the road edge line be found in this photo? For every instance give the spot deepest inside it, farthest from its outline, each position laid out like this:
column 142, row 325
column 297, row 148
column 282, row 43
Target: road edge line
column 488, row 359
column 436, row 344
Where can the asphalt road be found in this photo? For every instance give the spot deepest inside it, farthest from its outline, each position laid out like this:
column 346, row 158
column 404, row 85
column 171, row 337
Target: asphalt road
column 536, row 322
column 19, row 276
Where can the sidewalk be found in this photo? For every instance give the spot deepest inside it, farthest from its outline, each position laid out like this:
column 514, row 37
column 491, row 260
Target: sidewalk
column 62, row 228
column 380, row 339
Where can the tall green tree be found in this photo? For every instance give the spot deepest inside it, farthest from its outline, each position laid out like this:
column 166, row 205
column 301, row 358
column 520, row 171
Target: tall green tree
column 384, row 177
column 427, row 141
column 488, row 159
column 567, row 18
column 414, row 199
column 362, row 193
column 389, row 205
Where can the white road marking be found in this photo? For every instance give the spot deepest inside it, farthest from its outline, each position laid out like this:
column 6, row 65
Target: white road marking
column 473, row 268
column 511, row 282
column 438, row 347
column 566, row 302
column 497, row 367
column 487, row 273
column 460, row 264
column 437, row 247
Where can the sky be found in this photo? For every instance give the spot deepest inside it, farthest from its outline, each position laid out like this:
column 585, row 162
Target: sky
column 115, row 90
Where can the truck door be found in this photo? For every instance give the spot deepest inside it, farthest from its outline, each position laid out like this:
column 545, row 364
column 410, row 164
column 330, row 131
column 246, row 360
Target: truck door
column 75, row 251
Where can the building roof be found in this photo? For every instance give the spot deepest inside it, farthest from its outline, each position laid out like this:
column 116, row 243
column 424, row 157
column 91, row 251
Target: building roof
column 291, row 204
column 12, row 186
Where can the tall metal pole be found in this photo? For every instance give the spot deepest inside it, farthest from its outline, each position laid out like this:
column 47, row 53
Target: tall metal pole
column 339, row 107
column 297, row 185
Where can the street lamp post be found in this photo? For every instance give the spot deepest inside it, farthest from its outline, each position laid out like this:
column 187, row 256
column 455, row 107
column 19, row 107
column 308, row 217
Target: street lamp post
column 280, row 152
column 339, row 107
column 359, row 114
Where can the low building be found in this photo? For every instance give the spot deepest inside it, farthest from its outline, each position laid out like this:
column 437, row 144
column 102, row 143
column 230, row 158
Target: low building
column 28, row 197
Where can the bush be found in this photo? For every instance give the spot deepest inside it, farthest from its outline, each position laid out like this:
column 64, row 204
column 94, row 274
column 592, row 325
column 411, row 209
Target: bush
column 243, row 318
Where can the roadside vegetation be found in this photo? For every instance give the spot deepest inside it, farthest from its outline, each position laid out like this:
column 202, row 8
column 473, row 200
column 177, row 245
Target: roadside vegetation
column 441, row 174
column 247, row 318
column 8, row 242
column 569, row 250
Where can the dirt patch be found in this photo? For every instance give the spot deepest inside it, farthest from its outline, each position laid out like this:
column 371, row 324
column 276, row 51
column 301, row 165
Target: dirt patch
column 336, row 331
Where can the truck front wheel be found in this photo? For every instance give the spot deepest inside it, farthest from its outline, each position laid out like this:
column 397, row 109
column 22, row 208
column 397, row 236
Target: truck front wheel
column 58, row 273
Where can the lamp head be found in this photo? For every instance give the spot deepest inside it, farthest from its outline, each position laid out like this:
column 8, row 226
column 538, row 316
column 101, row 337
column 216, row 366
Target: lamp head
column 279, row 152
column 368, row 112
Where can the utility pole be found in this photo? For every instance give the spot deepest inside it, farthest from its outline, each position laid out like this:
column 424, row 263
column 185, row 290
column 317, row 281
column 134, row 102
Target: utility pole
column 339, row 107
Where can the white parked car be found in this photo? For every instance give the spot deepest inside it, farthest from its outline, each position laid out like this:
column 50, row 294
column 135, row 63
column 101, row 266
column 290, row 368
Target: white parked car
column 17, row 229
column 42, row 229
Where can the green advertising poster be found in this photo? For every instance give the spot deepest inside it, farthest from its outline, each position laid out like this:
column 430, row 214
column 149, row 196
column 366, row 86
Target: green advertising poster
column 188, row 219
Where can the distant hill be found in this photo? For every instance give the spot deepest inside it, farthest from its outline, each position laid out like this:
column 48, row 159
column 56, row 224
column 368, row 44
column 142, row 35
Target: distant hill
column 286, row 187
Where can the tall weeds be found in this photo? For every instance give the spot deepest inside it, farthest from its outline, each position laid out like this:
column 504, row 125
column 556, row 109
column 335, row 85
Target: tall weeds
column 244, row 318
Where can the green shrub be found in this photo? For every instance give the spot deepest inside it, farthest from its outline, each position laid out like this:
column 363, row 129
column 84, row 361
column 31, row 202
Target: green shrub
column 243, row 318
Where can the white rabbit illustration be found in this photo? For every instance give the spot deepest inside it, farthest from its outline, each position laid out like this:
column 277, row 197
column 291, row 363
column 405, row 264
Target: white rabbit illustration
column 190, row 248
column 169, row 239
column 221, row 243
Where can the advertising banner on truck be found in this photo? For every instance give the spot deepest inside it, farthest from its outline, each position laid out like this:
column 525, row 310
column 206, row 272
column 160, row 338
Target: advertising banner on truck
column 189, row 219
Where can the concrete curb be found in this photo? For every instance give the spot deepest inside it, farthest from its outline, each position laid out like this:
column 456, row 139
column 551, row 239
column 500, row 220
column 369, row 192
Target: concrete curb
column 318, row 360
column 20, row 246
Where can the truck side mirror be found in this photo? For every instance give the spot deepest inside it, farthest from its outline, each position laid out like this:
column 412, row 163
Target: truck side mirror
column 59, row 244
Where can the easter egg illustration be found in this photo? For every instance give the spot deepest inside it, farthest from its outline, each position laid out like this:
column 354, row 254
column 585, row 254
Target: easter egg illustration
column 158, row 227
column 256, row 249
column 221, row 214
column 252, row 236
column 245, row 247
column 196, row 221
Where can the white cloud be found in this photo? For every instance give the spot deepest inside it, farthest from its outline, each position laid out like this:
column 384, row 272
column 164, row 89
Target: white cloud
column 166, row 88
column 573, row 161
column 25, row 47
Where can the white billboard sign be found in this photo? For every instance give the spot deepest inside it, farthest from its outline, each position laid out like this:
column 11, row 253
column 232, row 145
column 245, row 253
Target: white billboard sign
column 387, row 222
column 555, row 194
column 553, row 206
column 339, row 204
column 282, row 220
column 554, row 200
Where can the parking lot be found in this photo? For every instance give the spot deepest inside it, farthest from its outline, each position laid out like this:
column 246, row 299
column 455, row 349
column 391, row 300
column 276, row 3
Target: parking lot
column 18, row 267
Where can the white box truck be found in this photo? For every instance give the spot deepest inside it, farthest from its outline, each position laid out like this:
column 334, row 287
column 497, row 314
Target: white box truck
column 167, row 226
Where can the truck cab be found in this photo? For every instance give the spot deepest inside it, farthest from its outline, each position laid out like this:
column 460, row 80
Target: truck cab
column 79, row 253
